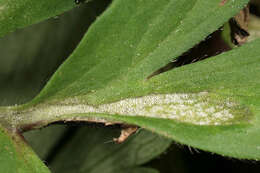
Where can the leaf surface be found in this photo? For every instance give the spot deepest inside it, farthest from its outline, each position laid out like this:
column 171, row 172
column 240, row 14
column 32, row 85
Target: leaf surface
column 25, row 54
column 145, row 36
column 16, row 156
column 16, row 14
column 212, row 105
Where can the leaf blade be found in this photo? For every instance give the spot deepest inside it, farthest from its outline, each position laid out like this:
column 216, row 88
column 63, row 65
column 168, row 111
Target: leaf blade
column 20, row 13
column 105, row 61
column 16, row 156
column 219, row 76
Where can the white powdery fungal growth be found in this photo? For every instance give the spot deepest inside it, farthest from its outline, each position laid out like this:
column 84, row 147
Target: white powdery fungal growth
column 182, row 107
column 189, row 108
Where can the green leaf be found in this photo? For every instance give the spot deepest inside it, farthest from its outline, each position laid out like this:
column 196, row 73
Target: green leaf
column 212, row 105
column 16, row 14
column 145, row 36
column 87, row 146
column 49, row 136
column 141, row 170
column 25, row 54
column 16, row 156
column 92, row 150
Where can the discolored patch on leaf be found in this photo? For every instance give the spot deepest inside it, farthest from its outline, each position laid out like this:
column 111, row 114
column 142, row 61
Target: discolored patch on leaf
column 223, row 2
column 126, row 132
column 254, row 28
column 111, row 64
column 195, row 108
column 239, row 27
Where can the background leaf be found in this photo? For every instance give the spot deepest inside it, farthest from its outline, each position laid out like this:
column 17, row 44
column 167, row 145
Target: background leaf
column 101, row 154
column 49, row 136
column 26, row 61
column 16, row 156
column 16, row 14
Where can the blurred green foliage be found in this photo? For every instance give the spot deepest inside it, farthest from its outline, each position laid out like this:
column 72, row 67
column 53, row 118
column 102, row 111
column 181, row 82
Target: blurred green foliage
column 30, row 56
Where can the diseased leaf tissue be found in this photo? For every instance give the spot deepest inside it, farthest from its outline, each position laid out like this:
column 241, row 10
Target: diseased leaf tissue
column 208, row 104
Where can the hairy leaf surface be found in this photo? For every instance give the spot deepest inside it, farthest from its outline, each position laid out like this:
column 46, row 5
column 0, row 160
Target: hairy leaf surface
column 212, row 105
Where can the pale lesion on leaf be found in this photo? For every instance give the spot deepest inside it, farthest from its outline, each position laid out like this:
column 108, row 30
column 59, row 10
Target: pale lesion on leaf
column 223, row 2
column 239, row 26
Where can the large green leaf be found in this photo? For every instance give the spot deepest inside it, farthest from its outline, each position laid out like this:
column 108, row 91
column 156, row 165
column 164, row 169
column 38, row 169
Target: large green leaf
column 212, row 105
column 133, row 39
column 16, row 156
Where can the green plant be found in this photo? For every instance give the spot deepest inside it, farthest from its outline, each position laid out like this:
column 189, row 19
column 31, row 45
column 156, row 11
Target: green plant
column 212, row 105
